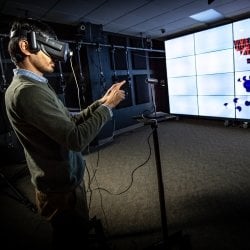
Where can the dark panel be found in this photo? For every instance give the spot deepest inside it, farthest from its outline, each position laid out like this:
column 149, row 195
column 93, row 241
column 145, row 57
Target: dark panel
column 64, row 82
column 81, row 70
column 141, row 89
column 127, row 87
column 120, row 59
column 10, row 148
column 157, row 65
column 161, row 94
column 117, row 40
column 137, row 42
column 139, row 59
column 89, row 32
column 119, row 53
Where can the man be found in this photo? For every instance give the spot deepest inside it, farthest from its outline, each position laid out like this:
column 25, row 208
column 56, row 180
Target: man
column 53, row 139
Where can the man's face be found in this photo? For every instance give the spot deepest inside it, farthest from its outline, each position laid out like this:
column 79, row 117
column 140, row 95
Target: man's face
column 42, row 63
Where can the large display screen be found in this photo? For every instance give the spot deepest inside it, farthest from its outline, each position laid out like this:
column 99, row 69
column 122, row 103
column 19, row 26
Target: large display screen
column 208, row 72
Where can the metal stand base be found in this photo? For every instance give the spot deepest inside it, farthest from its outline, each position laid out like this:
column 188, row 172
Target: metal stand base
column 97, row 239
column 176, row 241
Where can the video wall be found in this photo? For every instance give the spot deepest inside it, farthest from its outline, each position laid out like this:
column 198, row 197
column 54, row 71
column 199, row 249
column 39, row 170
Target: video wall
column 208, row 72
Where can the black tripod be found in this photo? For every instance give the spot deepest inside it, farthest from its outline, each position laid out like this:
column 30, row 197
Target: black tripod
column 178, row 239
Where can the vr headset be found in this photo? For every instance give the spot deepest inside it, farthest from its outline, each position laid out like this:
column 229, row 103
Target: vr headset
column 57, row 50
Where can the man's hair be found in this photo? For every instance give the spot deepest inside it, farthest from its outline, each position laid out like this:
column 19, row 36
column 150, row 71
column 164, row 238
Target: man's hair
column 20, row 29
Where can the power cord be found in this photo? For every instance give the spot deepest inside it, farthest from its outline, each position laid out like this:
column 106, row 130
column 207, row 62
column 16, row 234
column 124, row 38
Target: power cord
column 76, row 82
column 132, row 174
column 90, row 181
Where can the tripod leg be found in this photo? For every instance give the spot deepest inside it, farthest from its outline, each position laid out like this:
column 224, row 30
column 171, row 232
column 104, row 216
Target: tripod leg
column 99, row 235
column 176, row 241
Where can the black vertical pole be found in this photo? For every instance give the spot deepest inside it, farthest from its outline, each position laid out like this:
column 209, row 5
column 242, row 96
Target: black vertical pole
column 160, row 182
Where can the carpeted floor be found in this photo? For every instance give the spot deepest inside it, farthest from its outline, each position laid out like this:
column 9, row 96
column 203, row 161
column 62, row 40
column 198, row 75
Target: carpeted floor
column 206, row 173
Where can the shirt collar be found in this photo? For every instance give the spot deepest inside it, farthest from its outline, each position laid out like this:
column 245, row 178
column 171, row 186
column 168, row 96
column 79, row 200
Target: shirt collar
column 27, row 73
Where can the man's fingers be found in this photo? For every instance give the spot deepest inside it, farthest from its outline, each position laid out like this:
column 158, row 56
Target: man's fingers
column 120, row 84
column 115, row 86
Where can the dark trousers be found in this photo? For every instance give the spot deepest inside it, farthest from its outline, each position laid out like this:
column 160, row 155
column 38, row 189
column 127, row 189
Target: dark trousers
column 68, row 214
column 70, row 231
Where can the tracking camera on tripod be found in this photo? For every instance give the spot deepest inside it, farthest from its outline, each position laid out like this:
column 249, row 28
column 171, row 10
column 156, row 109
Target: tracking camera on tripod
column 155, row 114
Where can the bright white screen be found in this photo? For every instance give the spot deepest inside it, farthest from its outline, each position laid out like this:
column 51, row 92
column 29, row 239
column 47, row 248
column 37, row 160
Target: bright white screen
column 183, row 105
column 216, row 84
column 209, row 72
column 241, row 29
column 183, row 66
column 214, row 39
column 216, row 106
column 215, row 62
column 178, row 47
column 241, row 61
column 182, row 85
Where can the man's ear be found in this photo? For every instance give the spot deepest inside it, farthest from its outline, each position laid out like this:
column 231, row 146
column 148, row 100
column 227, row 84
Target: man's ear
column 24, row 47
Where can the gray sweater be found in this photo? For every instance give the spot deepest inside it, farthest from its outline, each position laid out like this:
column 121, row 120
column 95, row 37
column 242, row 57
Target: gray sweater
column 52, row 138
